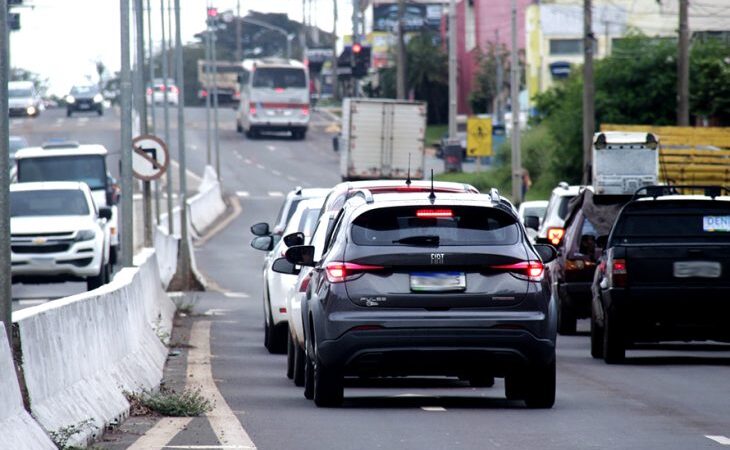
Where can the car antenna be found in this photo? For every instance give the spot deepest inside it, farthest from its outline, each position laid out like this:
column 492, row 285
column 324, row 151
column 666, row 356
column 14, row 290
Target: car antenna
column 408, row 179
column 432, row 195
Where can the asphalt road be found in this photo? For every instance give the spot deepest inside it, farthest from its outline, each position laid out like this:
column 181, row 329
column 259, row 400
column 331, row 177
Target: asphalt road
column 667, row 397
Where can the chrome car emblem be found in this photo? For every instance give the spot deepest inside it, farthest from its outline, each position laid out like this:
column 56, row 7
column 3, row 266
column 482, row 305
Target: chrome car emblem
column 39, row 241
column 437, row 258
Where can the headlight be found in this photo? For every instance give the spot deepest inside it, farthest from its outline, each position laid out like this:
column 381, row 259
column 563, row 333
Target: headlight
column 70, row 99
column 85, row 235
column 98, row 98
column 30, row 110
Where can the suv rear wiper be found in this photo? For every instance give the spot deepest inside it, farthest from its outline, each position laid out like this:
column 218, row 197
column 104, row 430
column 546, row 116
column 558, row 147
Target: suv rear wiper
column 419, row 240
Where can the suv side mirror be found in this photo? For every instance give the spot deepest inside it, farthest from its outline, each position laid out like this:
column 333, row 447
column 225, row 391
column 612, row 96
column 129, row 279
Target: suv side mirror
column 546, row 252
column 294, row 239
column 105, row 213
column 601, row 241
column 263, row 243
column 532, row 222
column 281, row 265
column 260, row 229
column 302, row 255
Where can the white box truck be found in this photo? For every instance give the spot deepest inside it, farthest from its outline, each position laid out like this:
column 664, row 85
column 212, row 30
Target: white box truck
column 378, row 138
column 623, row 162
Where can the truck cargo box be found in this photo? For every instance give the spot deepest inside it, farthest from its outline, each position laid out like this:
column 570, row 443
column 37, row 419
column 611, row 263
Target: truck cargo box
column 624, row 162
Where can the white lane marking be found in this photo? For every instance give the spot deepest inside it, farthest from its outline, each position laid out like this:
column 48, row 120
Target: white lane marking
column 236, row 294
column 260, row 166
column 224, row 422
column 270, row 148
column 82, row 121
column 248, row 161
column 161, row 433
column 216, row 312
column 276, row 194
column 433, row 408
column 276, row 173
column 242, row 193
column 722, row 440
column 239, row 156
column 208, row 446
column 194, row 147
column 291, row 178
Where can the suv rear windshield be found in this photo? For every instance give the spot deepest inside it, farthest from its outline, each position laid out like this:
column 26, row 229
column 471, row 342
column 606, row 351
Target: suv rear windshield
column 89, row 169
column 64, row 202
column 708, row 222
column 435, row 225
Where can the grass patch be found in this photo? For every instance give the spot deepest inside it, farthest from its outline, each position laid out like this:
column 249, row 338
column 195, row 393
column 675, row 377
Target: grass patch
column 63, row 435
column 434, row 134
column 168, row 402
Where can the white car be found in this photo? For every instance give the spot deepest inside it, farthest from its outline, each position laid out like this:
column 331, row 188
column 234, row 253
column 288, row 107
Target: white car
column 156, row 93
column 276, row 285
column 24, row 99
column 552, row 228
column 534, row 208
column 294, row 297
column 57, row 233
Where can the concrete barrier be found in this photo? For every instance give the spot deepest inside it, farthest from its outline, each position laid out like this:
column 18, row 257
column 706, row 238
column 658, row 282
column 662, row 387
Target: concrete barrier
column 18, row 430
column 81, row 353
column 207, row 205
column 166, row 250
column 160, row 309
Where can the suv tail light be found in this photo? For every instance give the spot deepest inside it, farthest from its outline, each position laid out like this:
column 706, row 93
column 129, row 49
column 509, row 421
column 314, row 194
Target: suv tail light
column 555, row 235
column 252, row 110
column 305, row 283
column 338, row 272
column 533, row 270
column 617, row 272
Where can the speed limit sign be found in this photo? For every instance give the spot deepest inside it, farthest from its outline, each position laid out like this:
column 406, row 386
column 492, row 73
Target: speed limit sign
column 150, row 157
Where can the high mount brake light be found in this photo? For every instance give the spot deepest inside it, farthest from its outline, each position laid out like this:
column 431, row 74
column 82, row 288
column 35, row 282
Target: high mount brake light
column 337, row 272
column 555, row 235
column 434, row 213
column 533, row 270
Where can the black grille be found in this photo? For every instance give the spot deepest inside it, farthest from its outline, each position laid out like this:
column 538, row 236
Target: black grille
column 77, row 262
column 23, row 235
column 54, row 248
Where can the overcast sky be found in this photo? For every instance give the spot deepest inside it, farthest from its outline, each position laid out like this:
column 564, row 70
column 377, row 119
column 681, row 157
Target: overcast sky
column 61, row 40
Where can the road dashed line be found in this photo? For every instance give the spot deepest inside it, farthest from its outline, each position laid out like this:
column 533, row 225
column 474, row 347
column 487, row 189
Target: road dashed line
column 260, row 166
column 248, row 161
column 242, row 193
column 276, row 173
column 291, row 178
column 236, row 295
column 276, row 194
column 722, row 440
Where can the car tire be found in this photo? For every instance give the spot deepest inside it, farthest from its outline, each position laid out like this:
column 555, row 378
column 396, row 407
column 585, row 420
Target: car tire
column 100, row 112
column 300, row 361
column 614, row 346
column 328, row 385
column 239, row 128
column 514, row 386
column 68, row 113
column 308, row 371
column 252, row 133
column 114, row 255
column 290, row 357
column 567, row 321
column 481, row 381
column 596, row 338
column 97, row 281
column 540, row 387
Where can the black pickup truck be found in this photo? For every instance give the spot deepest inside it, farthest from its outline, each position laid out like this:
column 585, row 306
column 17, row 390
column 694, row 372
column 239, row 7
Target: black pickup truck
column 665, row 272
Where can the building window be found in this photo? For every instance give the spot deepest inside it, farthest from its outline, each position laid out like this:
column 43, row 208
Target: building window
column 566, row 46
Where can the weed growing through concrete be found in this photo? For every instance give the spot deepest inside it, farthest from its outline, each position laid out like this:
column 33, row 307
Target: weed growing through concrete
column 61, row 436
column 168, row 402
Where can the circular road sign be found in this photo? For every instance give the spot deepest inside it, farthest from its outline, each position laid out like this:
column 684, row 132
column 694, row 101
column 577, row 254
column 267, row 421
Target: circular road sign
column 149, row 157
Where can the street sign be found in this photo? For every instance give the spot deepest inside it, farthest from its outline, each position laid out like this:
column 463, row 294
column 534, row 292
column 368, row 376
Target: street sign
column 150, row 157
column 479, row 136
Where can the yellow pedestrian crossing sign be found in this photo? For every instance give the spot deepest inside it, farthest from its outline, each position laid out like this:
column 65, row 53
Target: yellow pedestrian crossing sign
column 479, row 136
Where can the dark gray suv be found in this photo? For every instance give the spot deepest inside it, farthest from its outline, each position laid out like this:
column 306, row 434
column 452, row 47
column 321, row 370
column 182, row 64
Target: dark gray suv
column 417, row 284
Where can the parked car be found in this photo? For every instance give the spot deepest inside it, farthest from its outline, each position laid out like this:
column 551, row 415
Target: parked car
column 390, row 296
column 24, row 99
column 535, row 208
column 276, row 285
column 665, row 272
column 552, row 228
column 84, row 99
column 571, row 274
column 16, row 143
column 58, row 234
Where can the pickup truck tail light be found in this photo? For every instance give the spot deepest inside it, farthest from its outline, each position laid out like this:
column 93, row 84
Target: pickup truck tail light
column 555, row 235
column 618, row 272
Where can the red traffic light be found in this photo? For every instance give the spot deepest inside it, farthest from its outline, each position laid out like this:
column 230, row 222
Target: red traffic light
column 356, row 48
column 212, row 12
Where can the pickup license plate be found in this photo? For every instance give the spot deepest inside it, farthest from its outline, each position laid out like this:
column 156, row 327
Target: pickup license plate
column 438, row 281
column 43, row 260
column 84, row 106
column 697, row 269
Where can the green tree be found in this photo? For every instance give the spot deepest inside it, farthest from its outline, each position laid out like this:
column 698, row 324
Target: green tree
column 485, row 89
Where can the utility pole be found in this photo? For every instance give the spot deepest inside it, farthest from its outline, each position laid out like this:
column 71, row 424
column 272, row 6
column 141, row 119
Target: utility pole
column 452, row 71
column 499, row 107
column 152, row 101
column 166, row 117
column 400, row 64
column 6, row 284
column 589, row 114
column 185, row 265
column 515, row 91
column 208, row 93
column 142, row 115
column 125, row 93
column 216, row 139
column 239, row 50
column 335, row 94
column 355, row 40
column 683, row 66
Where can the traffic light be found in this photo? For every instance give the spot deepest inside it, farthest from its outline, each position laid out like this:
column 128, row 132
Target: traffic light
column 361, row 60
column 212, row 16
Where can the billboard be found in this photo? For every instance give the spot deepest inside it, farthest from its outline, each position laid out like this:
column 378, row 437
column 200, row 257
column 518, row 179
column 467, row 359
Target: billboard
column 417, row 17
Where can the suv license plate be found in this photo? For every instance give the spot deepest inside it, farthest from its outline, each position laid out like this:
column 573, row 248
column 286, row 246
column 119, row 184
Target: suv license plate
column 438, row 281
column 697, row 269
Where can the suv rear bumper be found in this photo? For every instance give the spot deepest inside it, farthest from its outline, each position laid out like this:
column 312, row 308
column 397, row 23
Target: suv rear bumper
column 435, row 351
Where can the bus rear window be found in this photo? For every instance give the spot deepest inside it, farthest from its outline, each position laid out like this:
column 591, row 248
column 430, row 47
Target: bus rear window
column 279, row 78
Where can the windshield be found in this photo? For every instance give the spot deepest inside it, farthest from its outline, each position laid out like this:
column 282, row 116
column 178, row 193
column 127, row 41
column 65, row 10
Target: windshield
column 20, row 93
column 279, row 78
column 48, row 203
column 309, row 221
column 84, row 90
column 703, row 225
column 434, row 226
column 89, row 169
column 16, row 143
column 537, row 211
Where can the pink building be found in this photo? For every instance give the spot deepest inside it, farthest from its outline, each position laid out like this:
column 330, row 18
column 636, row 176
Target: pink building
column 480, row 22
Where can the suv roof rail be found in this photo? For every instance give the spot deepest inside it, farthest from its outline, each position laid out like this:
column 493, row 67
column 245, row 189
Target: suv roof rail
column 563, row 185
column 298, row 190
column 50, row 145
column 494, row 195
column 655, row 191
column 365, row 194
